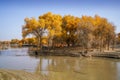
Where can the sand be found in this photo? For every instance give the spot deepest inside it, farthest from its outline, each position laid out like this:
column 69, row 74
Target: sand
column 19, row 75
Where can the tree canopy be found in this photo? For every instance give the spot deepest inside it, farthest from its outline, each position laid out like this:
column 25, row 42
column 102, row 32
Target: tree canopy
column 68, row 30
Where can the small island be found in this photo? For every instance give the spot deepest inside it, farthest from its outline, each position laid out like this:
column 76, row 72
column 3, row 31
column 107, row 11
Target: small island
column 69, row 35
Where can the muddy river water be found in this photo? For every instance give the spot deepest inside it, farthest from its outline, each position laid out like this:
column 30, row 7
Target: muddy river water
column 61, row 67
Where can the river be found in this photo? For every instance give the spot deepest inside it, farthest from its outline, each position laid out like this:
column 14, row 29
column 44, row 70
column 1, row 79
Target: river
column 61, row 68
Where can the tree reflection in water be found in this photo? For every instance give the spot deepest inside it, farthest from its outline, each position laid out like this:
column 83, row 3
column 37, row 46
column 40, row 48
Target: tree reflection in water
column 72, row 68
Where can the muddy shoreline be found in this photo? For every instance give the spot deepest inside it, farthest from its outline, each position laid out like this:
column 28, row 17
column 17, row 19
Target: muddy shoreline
column 6, row 74
column 76, row 52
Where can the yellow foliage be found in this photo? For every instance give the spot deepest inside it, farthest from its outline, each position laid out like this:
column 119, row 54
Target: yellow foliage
column 67, row 27
column 44, row 40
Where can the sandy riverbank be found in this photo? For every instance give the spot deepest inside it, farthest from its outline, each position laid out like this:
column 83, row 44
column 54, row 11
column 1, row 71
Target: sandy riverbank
column 19, row 75
column 77, row 52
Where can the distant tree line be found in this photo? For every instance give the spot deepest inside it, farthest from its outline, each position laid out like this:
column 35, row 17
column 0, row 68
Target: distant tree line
column 86, row 31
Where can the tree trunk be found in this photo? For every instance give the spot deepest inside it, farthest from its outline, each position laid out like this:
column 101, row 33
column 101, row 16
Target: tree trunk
column 108, row 45
column 50, row 42
column 68, row 44
column 101, row 44
column 39, row 44
column 114, row 43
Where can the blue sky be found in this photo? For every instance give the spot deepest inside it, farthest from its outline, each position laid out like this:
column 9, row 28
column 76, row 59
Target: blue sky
column 13, row 12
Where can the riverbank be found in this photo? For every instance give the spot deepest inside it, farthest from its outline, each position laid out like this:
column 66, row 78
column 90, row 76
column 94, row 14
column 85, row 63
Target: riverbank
column 19, row 75
column 110, row 54
column 71, row 51
column 76, row 52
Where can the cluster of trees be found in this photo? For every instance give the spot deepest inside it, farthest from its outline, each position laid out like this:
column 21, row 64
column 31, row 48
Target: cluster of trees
column 87, row 32
column 26, row 41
